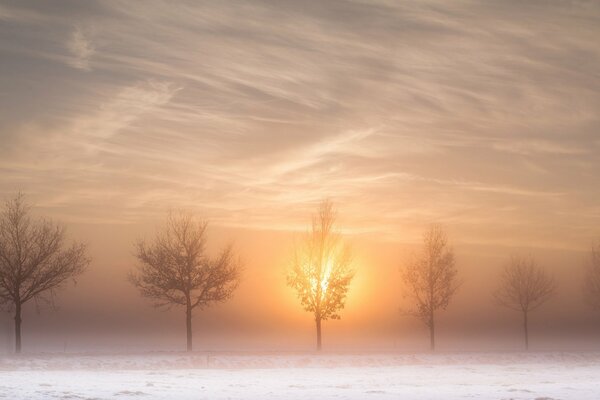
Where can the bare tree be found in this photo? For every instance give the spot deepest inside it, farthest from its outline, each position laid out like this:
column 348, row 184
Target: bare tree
column 34, row 259
column 431, row 278
column 524, row 286
column 321, row 270
column 592, row 278
column 174, row 268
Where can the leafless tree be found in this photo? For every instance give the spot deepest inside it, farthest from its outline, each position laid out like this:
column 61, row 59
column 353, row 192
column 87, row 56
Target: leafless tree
column 592, row 278
column 174, row 268
column 431, row 278
column 321, row 270
column 524, row 286
column 34, row 259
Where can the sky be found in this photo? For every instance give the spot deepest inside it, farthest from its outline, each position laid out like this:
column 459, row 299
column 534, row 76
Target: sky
column 478, row 115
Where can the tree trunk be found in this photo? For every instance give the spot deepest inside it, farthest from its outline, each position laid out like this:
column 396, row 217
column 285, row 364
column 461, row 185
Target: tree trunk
column 318, row 320
column 18, row 328
column 431, row 332
column 188, row 325
column 526, row 330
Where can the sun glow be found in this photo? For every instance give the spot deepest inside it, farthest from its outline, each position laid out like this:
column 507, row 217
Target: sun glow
column 323, row 284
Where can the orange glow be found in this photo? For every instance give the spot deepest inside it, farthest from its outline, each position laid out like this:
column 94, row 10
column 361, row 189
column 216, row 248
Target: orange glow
column 401, row 113
column 324, row 281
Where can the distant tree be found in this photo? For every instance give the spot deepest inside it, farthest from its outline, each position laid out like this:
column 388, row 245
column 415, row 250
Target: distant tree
column 174, row 268
column 431, row 278
column 524, row 286
column 34, row 259
column 321, row 270
column 592, row 278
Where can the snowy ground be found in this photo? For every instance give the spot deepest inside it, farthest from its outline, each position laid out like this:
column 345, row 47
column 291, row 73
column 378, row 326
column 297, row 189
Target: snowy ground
column 303, row 376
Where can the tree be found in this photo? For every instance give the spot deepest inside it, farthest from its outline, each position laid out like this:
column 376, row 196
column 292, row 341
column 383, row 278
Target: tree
column 524, row 287
column 431, row 278
column 592, row 278
column 321, row 269
column 34, row 259
column 174, row 268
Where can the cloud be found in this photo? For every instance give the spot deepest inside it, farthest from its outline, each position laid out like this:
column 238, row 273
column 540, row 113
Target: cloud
column 345, row 143
column 128, row 105
column 533, row 146
column 402, row 111
column 81, row 48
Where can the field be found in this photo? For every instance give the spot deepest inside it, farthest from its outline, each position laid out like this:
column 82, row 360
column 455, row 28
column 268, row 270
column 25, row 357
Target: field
column 302, row 376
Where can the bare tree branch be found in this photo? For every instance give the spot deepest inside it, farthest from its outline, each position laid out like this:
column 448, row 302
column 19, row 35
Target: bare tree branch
column 592, row 278
column 34, row 259
column 321, row 269
column 431, row 278
column 175, row 270
column 524, row 287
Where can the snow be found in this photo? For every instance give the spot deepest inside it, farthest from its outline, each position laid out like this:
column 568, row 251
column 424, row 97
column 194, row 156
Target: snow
column 533, row 376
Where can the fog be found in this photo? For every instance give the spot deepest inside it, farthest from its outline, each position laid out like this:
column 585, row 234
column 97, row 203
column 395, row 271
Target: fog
column 478, row 115
column 104, row 312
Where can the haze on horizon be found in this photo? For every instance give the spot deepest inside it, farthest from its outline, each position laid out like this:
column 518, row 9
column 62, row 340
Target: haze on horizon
column 481, row 116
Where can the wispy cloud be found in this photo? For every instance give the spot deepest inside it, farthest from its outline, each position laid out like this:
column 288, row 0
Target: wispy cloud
column 533, row 146
column 128, row 105
column 81, row 49
column 405, row 112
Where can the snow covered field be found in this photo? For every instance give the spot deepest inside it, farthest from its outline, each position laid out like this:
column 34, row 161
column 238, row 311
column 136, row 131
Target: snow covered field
column 303, row 376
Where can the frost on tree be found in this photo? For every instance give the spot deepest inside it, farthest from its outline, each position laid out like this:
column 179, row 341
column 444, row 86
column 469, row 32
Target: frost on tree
column 431, row 278
column 321, row 270
column 174, row 268
column 35, row 260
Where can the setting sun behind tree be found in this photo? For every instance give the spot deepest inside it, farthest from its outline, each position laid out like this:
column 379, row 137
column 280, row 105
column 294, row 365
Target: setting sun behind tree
column 321, row 271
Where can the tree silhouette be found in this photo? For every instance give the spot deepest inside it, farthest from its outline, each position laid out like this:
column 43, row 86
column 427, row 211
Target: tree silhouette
column 592, row 278
column 524, row 287
column 175, row 270
column 34, row 259
column 321, row 270
column 431, row 278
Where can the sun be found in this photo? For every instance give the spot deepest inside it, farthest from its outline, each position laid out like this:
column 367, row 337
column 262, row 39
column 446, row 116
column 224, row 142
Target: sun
column 323, row 283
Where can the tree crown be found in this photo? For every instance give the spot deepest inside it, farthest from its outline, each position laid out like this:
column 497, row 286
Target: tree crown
column 524, row 285
column 321, row 269
column 592, row 277
column 34, row 260
column 175, row 269
column 431, row 276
